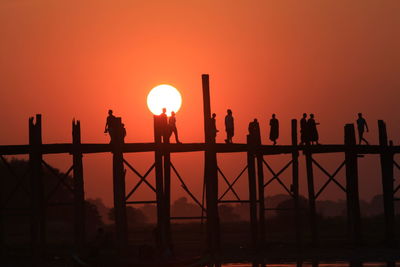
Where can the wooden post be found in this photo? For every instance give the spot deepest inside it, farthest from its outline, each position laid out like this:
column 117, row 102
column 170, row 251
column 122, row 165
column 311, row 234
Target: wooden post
column 167, row 195
column 386, row 158
column 79, row 193
column 295, row 185
column 311, row 198
column 251, row 143
column 119, row 187
column 352, row 194
column 160, row 230
column 38, row 222
column 261, row 199
column 211, row 178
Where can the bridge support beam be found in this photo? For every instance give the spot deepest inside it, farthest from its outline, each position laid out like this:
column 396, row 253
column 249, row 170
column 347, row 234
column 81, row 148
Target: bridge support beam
column 37, row 218
column 251, row 169
column 311, row 198
column 386, row 158
column 295, row 187
column 352, row 193
column 79, row 192
column 211, row 179
column 121, row 229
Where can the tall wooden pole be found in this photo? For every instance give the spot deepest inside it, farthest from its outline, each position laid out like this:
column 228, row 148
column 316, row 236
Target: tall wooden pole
column 38, row 220
column 251, row 170
column 79, row 193
column 261, row 199
column 352, row 193
column 119, row 187
column 295, row 185
column 167, row 196
column 210, row 177
column 386, row 158
column 160, row 230
column 311, row 198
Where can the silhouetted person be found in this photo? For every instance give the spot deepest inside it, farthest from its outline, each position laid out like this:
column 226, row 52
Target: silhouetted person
column 274, row 129
column 312, row 135
column 110, row 125
column 254, row 131
column 229, row 127
column 213, row 128
column 172, row 126
column 361, row 125
column 163, row 124
column 303, row 130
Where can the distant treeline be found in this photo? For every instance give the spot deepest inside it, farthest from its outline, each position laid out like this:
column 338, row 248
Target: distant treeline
column 240, row 212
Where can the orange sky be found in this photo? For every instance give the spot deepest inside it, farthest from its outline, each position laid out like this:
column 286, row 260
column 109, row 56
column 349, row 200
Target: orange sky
column 68, row 59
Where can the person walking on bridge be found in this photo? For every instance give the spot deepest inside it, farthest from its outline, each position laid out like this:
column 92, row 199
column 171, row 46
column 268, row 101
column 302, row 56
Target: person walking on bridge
column 172, row 126
column 274, row 129
column 312, row 130
column 229, row 127
column 303, row 130
column 361, row 125
column 110, row 125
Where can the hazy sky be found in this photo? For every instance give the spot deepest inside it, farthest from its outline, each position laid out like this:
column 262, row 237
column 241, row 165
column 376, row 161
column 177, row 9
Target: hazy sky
column 76, row 59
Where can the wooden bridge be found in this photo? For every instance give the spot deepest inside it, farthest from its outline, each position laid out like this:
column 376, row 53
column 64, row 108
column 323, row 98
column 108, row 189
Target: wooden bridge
column 162, row 166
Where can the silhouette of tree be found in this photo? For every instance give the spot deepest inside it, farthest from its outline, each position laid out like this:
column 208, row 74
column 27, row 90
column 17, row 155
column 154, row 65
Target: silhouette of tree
column 20, row 198
column 227, row 214
column 134, row 216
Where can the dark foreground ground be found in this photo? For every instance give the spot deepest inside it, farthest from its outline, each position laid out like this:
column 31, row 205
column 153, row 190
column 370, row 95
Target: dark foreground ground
column 190, row 248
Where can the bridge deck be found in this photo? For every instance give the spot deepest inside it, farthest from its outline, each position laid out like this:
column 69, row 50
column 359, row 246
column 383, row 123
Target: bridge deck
column 192, row 147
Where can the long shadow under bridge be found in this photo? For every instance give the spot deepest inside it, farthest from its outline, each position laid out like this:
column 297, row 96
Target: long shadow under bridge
column 257, row 182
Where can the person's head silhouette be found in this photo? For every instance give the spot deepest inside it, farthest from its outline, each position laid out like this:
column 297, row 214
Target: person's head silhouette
column 110, row 112
column 312, row 116
column 172, row 113
column 164, row 110
column 304, row 115
column 229, row 112
column 360, row 115
column 273, row 116
column 214, row 115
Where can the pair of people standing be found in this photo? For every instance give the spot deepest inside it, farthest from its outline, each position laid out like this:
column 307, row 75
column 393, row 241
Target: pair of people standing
column 308, row 130
column 168, row 126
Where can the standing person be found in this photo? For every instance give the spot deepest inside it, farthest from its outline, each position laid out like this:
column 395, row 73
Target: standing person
column 164, row 131
column 110, row 125
column 229, row 127
column 254, row 131
column 213, row 128
column 312, row 130
column 361, row 125
column 303, row 130
column 172, row 126
column 274, row 129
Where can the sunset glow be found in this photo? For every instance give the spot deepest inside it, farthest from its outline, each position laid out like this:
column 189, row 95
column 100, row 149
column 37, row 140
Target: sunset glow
column 164, row 96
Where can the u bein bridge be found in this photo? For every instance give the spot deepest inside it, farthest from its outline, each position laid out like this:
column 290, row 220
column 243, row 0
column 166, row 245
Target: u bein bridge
column 163, row 167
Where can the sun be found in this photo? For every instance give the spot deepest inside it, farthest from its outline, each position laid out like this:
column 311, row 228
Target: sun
column 164, row 96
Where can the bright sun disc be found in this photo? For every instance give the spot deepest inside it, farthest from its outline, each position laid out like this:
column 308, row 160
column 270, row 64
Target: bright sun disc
column 164, row 96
